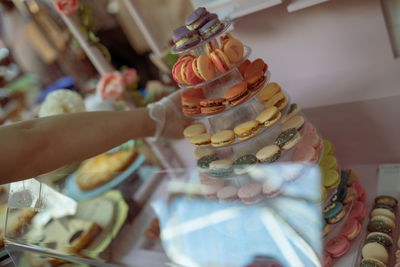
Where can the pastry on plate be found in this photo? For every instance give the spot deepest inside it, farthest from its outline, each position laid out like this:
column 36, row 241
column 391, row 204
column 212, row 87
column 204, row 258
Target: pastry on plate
column 72, row 236
column 17, row 221
column 99, row 170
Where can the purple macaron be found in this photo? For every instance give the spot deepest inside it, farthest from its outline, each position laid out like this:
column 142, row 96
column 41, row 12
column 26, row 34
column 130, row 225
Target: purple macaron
column 197, row 18
column 211, row 28
column 184, row 38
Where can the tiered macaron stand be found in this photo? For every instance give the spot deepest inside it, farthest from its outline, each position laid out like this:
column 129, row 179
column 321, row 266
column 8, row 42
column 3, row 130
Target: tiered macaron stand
column 248, row 110
column 233, row 116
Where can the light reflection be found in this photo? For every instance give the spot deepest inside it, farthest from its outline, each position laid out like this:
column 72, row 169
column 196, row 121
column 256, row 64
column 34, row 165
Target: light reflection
column 277, row 235
column 199, row 223
column 299, row 242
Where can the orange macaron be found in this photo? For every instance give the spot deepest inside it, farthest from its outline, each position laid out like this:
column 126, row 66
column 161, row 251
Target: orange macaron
column 233, row 49
column 203, row 68
column 220, row 60
column 177, row 68
column 189, row 74
column 211, row 46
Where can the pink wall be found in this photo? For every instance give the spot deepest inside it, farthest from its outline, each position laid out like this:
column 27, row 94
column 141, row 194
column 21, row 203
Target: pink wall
column 330, row 53
column 365, row 132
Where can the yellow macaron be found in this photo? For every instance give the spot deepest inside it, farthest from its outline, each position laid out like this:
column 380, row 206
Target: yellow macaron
column 201, row 140
column 296, row 122
column 222, row 138
column 247, row 129
column 330, row 179
column 329, row 162
column 193, row 130
column 269, row 91
column 328, row 148
column 279, row 100
column 269, row 116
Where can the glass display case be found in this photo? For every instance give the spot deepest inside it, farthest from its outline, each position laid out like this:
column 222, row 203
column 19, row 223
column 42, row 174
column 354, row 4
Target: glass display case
column 184, row 222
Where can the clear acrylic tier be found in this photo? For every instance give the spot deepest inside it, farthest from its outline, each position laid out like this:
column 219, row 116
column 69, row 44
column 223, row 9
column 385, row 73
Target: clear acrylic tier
column 227, row 79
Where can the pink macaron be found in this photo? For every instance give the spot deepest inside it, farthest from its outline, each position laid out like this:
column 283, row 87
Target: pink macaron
column 337, row 246
column 227, row 194
column 351, row 229
column 326, row 260
column 312, row 139
column 307, row 128
column 250, row 194
column 209, row 186
column 361, row 195
column 358, row 211
column 272, row 187
column 305, row 153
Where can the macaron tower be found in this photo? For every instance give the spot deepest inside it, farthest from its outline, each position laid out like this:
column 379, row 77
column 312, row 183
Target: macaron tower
column 241, row 111
column 247, row 122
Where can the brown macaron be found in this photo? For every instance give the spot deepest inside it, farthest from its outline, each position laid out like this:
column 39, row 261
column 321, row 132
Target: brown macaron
column 237, row 94
column 255, row 66
column 212, row 106
column 191, row 106
column 255, row 81
column 243, row 67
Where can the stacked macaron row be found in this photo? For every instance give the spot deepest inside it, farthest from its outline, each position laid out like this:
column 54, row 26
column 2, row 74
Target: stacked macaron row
column 349, row 193
column 191, row 70
column 376, row 250
column 215, row 188
column 329, row 167
column 199, row 25
column 208, row 161
column 198, row 136
column 397, row 253
column 251, row 193
column 311, row 143
column 347, row 203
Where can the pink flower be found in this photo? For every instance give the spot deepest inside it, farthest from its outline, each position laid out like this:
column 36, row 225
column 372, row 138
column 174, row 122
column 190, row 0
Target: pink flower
column 111, row 86
column 129, row 76
column 67, row 7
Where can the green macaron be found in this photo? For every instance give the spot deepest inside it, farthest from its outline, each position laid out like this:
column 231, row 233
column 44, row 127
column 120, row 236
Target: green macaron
column 204, row 162
column 243, row 163
column 379, row 226
column 221, row 168
column 381, row 238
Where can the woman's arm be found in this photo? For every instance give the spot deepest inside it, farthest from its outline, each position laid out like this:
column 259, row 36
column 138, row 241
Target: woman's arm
column 34, row 147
